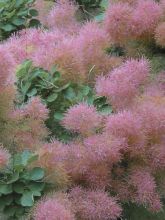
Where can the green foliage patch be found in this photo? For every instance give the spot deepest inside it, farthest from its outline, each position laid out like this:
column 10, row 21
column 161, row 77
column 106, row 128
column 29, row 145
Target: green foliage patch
column 20, row 186
column 57, row 95
column 16, row 15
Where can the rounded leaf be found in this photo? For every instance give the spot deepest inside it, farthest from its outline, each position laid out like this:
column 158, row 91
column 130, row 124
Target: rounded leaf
column 36, row 173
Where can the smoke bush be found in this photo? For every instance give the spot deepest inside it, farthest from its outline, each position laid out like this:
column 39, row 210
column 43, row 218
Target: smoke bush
column 124, row 21
column 57, row 207
column 133, row 74
column 120, row 154
column 78, row 50
column 123, row 154
column 24, row 126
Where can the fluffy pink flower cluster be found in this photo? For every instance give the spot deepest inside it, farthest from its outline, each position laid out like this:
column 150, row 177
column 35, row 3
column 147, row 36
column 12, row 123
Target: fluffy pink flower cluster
column 77, row 49
column 122, row 152
column 82, row 118
column 126, row 21
column 80, row 57
column 92, row 204
column 123, row 84
column 23, row 127
column 43, row 7
column 78, row 204
column 55, row 208
column 7, row 65
column 29, row 120
column 62, row 16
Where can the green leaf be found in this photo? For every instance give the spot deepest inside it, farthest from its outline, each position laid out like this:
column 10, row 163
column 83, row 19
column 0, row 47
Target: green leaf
column 55, row 72
column 35, row 73
column 19, row 3
column 8, row 27
column 36, row 186
column 26, row 155
column 23, row 69
column 70, row 94
column 19, row 211
column 52, row 97
column 13, row 178
column 90, row 100
column 5, row 189
column 33, row 12
column 23, row 159
column 17, row 162
column 34, row 23
column 26, row 87
column 80, row 96
column 104, row 4
column 106, row 110
column 7, row 199
column 18, row 21
column 33, row 157
column 2, row 205
column 9, row 211
column 18, row 187
column 85, row 90
column 63, row 87
column 58, row 116
column 37, row 193
column 27, row 199
column 17, row 198
column 100, row 17
column 23, row 13
column 32, row 93
column 36, row 173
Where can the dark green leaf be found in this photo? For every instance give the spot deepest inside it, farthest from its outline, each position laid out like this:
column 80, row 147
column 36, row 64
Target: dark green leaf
column 9, row 211
column 5, row 189
column 106, row 110
column 33, row 12
column 18, row 187
column 13, row 178
column 34, row 23
column 8, row 199
column 32, row 93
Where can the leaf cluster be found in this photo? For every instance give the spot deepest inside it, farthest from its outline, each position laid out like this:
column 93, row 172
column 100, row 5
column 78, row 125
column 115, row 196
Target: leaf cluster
column 16, row 15
column 57, row 95
column 20, row 186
